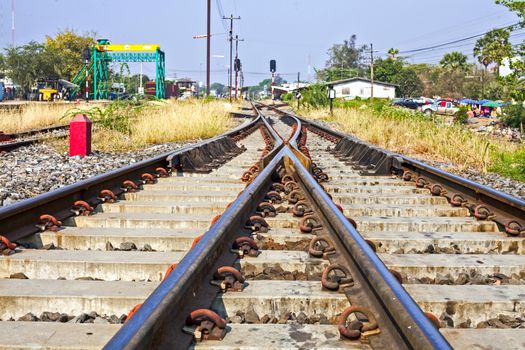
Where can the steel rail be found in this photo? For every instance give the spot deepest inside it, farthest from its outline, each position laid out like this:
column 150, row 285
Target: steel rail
column 160, row 320
column 503, row 207
column 18, row 220
column 416, row 329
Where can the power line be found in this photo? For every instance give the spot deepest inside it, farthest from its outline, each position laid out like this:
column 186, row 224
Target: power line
column 453, row 41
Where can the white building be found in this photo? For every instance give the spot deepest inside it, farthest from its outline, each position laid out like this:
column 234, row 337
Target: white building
column 362, row 88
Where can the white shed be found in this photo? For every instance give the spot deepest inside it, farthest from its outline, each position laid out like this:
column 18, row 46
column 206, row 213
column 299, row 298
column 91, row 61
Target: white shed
column 361, row 87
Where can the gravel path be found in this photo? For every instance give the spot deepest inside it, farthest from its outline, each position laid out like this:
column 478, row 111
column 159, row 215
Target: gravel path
column 495, row 181
column 33, row 170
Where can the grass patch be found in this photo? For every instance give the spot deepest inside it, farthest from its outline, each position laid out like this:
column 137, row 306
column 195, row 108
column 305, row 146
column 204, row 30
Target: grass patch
column 34, row 115
column 124, row 125
column 415, row 135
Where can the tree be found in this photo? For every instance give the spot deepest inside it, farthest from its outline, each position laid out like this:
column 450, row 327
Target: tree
column 455, row 61
column 219, row 88
column 393, row 53
column 28, row 63
column 395, row 71
column 493, row 47
column 409, row 83
column 66, row 48
column 344, row 61
column 386, row 70
column 344, row 55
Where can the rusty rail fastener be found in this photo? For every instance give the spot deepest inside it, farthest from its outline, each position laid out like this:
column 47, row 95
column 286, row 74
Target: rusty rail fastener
column 48, row 223
column 245, row 246
column 300, row 209
column 82, row 208
column 161, row 172
column 356, row 329
column 129, row 186
column 320, row 247
column 309, row 223
column 228, row 278
column 514, row 228
column 482, row 212
column 148, row 179
column 266, row 209
column 107, row 196
column 257, row 224
column 6, row 246
column 335, row 277
column 205, row 324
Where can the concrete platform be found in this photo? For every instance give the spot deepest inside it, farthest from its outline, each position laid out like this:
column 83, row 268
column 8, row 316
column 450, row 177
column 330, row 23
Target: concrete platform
column 19, row 297
column 81, row 238
column 59, row 336
column 280, row 336
column 275, row 298
column 428, row 265
column 288, row 260
column 464, row 242
column 71, row 264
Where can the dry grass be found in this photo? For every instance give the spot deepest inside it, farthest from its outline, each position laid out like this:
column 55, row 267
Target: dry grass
column 33, row 115
column 180, row 121
column 418, row 137
column 157, row 122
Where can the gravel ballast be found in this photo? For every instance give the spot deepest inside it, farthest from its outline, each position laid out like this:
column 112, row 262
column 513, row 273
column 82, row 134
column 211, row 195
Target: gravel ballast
column 492, row 180
column 36, row 169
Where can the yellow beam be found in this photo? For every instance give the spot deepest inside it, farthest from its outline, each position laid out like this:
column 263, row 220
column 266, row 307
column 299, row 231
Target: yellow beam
column 129, row 48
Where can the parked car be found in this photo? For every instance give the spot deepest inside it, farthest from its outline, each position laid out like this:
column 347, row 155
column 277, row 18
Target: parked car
column 441, row 107
column 408, row 103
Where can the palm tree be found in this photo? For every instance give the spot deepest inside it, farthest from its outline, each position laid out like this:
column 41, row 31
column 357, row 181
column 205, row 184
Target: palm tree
column 493, row 47
column 393, row 53
column 454, row 61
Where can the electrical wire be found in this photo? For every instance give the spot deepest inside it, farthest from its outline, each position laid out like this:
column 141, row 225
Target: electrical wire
column 435, row 46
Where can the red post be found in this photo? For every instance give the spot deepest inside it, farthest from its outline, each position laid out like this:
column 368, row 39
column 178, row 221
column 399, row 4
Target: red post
column 80, row 136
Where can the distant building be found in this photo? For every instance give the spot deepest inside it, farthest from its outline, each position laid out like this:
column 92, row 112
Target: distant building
column 362, row 88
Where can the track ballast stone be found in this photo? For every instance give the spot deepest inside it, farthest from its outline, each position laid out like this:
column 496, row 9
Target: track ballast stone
column 36, row 169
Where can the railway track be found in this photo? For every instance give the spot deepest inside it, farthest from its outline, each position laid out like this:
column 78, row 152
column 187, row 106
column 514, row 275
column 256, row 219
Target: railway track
column 281, row 264
column 9, row 142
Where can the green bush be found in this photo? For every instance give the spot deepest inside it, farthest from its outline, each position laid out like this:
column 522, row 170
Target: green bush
column 117, row 116
column 514, row 115
column 287, row 97
column 461, row 116
column 315, row 96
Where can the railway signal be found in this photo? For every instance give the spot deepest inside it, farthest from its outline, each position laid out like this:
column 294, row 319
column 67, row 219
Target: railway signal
column 273, row 69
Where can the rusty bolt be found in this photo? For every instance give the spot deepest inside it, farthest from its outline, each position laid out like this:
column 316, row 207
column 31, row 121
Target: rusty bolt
column 48, row 223
column 336, row 276
column 82, row 208
column 229, row 278
column 210, row 326
column 349, row 331
column 107, row 196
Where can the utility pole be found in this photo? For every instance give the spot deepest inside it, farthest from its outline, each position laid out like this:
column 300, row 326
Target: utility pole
column 208, row 51
column 13, row 23
column 230, row 82
column 372, row 71
column 298, row 94
column 237, row 65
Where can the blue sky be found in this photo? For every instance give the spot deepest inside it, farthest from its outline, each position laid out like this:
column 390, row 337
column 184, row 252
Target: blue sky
column 291, row 31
